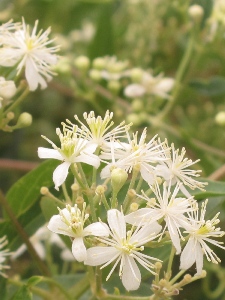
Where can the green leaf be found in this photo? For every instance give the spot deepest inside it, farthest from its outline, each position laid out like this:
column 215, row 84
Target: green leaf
column 34, row 280
column 49, row 207
column 22, row 293
column 26, row 191
column 215, row 86
column 213, row 189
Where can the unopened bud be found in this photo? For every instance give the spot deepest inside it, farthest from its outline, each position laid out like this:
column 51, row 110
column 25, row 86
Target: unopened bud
column 10, row 115
column 79, row 200
column 100, row 190
column 118, row 178
column 196, row 13
column 75, row 187
column 187, row 278
column 220, row 118
column 136, row 75
column 95, row 75
column 134, row 206
column 99, row 63
column 25, row 119
column 7, row 88
column 44, row 190
column 134, row 119
column 131, row 193
column 82, row 62
column 114, row 86
column 137, row 105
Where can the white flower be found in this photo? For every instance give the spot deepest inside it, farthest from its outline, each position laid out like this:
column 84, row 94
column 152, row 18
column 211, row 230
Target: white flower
column 70, row 222
column 169, row 207
column 73, row 149
column 3, row 254
column 124, row 247
column 158, row 86
column 99, row 130
column 7, row 88
column 29, row 50
column 6, row 28
column 141, row 154
column 200, row 233
column 176, row 169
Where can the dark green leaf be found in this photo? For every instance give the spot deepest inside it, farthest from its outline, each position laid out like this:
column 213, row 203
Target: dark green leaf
column 26, row 191
column 215, row 86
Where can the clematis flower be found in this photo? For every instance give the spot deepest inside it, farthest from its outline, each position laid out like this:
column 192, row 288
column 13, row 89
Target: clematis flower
column 168, row 207
column 99, row 129
column 3, row 254
column 73, row 149
column 150, row 85
column 201, row 232
column 175, row 168
column 70, row 221
column 124, row 247
column 135, row 153
column 29, row 50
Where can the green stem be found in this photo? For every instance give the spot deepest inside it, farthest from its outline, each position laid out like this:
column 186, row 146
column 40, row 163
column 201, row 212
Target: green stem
column 132, row 183
column 55, row 283
column 17, row 101
column 175, row 278
column 76, row 175
column 65, row 193
column 170, row 262
column 40, row 264
column 179, row 76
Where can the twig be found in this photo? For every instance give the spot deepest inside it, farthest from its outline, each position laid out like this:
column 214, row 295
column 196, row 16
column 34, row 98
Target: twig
column 218, row 174
column 13, row 164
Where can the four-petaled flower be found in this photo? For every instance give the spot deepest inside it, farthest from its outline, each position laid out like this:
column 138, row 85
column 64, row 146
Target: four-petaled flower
column 200, row 233
column 70, row 221
column 73, row 149
column 124, row 247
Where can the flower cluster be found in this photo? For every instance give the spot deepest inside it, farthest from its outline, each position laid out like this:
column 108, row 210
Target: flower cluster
column 28, row 51
column 157, row 205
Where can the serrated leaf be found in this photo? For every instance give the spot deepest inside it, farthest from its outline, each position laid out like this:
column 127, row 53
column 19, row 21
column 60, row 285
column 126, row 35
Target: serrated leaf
column 26, row 191
column 215, row 86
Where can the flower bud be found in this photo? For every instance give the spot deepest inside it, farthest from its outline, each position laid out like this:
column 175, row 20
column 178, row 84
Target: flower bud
column 220, row 118
column 95, row 75
column 137, row 105
column 196, row 13
column 134, row 206
column 99, row 63
column 136, row 75
column 25, row 119
column 7, row 88
column 114, row 86
column 118, row 178
column 82, row 62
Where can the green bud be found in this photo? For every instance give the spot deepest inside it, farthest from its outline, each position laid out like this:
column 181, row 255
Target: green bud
column 136, row 75
column 196, row 13
column 82, row 63
column 137, row 105
column 95, row 75
column 118, row 178
column 24, row 120
column 99, row 63
column 114, row 86
column 220, row 118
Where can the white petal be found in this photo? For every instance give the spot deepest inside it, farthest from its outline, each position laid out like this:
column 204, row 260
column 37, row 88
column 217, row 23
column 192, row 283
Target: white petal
column 90, row 159
column 131, row 277
column 31, row 74
column 134, row 90
column 117, row 223
column 60, row 174
column 146, row 233
column 78, row 249
column 188, row 255
column 100, row 255
column 56, row 225
column 199, row 259
column 174, row 235
column 140, row 216
column 97, row 229
column 49, row 153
